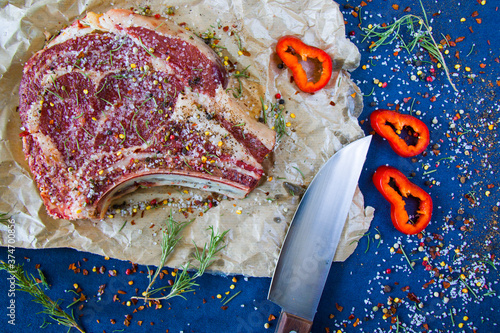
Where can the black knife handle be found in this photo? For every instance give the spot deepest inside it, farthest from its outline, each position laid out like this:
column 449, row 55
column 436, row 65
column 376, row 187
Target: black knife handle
column 289, row 323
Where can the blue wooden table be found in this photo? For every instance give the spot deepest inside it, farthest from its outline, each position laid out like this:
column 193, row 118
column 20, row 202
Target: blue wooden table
column 453, row 283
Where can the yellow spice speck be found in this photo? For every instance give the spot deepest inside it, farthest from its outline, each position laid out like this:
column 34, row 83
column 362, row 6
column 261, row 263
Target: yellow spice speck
column 219, row 296
column 148, row 207
column 288, row 124
column 219, row 143
column 85, row 91
column 462, row 19
column 238, row 212
column 106, row 258
column 133, row 65
column 118, row 153
column 101, row 172
column 110, row 216
column 129, row 303
column 174, row 273
column 364, row 66
column 130, row 282
column 467, row 69
column 75, row 285
column 234, row 279
column 240, row 53
column 465, row 318
column 292, row 115
column 461, row 325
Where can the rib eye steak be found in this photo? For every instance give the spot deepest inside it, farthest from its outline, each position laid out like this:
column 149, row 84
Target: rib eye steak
column 120, row 100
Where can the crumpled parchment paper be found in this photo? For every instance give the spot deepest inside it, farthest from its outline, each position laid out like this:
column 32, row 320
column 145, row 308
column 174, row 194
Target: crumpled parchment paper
column 323, row 123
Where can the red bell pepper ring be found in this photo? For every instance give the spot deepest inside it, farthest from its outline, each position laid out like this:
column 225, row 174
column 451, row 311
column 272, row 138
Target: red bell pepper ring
column 384, row 178
column 289, row 47
column 388, row 123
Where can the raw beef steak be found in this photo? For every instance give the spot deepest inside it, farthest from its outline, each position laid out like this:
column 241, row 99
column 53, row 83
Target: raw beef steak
column 121, row 100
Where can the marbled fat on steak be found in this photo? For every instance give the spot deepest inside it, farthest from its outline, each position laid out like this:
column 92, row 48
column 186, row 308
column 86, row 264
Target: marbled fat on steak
column 120, row 100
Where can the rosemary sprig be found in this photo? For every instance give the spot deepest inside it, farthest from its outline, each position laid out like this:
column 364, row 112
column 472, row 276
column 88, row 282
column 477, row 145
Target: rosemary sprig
column 279, row 120
column 4, row 218
column 468, row 287
column 238, row 76
column 205, row 257
column 184, row 282
column 43, row 280
column 299, row 172
column 407, row 259
column 170, row 239
column 420, row 32
column 50, row 307
column 231, row 298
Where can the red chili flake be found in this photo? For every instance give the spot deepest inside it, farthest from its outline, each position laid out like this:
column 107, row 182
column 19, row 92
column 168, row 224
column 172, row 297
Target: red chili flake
column 395, row 7
column 332, row 103
column 433, row 98
column 112, row 321
column 157, row 16
column 172, row 137
column 475, row 13
column 407, row 10
column 339, row 307
column 413, row 297
column 471, row 31
column 224, row 307
column 277, row 96
column 352, row 33
column 384, row 84
column 271, row 317
column 23, row 134
column 459, row 39
column 128, row 271
column 388, row 271
column 479, row 21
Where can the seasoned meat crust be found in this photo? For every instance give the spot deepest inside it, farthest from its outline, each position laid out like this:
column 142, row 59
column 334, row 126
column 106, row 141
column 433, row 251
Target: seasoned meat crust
column 121, row 100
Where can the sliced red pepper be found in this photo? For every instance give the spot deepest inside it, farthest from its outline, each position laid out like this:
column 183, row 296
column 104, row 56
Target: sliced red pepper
column 389, row 125
column 394, row 186
column 290, row 48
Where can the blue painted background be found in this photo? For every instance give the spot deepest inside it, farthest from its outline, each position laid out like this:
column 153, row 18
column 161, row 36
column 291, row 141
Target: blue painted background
column 464, row 188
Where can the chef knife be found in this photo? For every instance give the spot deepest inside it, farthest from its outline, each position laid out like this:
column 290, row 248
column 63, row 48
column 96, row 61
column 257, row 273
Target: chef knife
column 312, row 238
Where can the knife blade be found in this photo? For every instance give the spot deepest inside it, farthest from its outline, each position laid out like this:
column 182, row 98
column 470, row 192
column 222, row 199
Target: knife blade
column 313, row 236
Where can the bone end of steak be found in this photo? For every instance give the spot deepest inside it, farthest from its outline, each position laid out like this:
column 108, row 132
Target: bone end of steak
column 144, row 105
